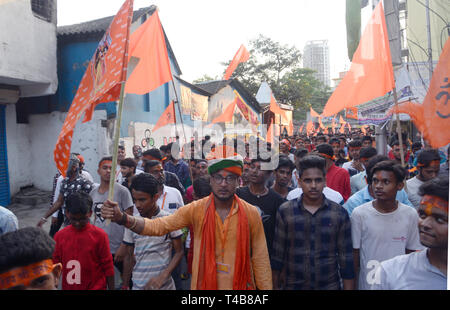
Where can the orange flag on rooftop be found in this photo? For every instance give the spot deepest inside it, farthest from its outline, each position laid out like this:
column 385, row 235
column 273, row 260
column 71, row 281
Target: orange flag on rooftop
column 227, row 115
column 433, row 115
column 242, row 55
column 168, row 117
column 102, row 81
column 341, row 120
column 313, row 113
column 371, row 74
column 153, row 69
column 274, row 107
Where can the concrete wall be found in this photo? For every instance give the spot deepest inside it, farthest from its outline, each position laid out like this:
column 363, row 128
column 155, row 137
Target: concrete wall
column 27, row 49
column 30, row 147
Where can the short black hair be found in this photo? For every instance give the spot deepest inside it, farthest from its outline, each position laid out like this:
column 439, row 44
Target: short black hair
column 121, row 147
column 366, row 138
column 145, row 182
column 128, row 162
column 154, row 152
column 355, row 143
column 416, row 145
column 202, row 187
column 150, row 164
column 372, row 162
column 284, row 161
column 397, row 142
column 435, row 187
column 25, row 246
column 425, row 157
column 300, row 152
column 392, row 166
column 325, row 149
column 311, row 161
column 333, row 140
column 367, row 152
column 321, row 137
column 79, row 203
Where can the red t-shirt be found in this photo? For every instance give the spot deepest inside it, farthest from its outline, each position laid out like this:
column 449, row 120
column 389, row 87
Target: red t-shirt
column 339, row 180
column 85, row 258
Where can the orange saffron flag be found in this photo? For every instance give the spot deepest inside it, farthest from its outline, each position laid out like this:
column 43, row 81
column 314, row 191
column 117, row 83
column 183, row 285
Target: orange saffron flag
column 300, row 130
column 352, row 113
column 309, row 127
column 342, row 129
column 341, row 120
column 242, row 55
column 168, row 117
column 270, row 133
column 275, row 108
column 321, row 124
column 313, row 113
column 102, row 81
column 153, row 69
column 291, row 128
column 227, row 115
column 371, row 74
column 433, row 115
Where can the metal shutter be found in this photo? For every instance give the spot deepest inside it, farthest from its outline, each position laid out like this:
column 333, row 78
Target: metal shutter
column 4, row 177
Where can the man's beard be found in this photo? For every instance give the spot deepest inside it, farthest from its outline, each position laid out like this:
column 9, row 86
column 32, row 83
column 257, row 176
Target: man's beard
column 223, row 198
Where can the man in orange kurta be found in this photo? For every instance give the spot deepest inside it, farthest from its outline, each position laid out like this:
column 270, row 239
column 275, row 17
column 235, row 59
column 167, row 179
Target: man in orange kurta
column 230, row 250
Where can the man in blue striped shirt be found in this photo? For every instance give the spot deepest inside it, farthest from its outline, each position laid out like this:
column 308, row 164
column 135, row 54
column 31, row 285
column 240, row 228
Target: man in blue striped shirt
column 312, row 246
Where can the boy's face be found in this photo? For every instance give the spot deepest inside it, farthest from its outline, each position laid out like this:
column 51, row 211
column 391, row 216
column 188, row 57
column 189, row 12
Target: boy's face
column 202, row 168
column 312, row 182
column 366, row 143
column 429, row 172
column 144, row 202
column 256, row 175
column 127, row 171
column 336, row 148
column 104, row 171
column 283, row 175
column 385, row 185
column 354, row 152
column 158, row 172
column 433, row 222
column 79, row 221
column 43, row 281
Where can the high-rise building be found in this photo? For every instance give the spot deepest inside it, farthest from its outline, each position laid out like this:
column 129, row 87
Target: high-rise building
column 316, row 56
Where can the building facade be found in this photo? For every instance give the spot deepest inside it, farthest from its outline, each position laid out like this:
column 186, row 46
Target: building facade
column 316, row 56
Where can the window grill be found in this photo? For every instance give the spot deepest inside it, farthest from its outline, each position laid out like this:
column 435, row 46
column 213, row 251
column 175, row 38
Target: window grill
column 42, row 9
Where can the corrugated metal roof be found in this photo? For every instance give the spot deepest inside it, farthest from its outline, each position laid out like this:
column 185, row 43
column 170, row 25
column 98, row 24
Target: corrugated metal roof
column 99, row 25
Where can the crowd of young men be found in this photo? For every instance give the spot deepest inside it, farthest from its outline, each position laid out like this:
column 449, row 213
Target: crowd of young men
column 332, row 214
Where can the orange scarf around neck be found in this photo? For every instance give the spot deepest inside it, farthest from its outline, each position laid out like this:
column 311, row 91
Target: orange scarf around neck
column 207, row 279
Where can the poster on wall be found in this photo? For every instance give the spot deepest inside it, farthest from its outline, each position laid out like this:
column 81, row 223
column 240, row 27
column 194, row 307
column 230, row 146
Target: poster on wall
column 199, row 107
column 186, row 94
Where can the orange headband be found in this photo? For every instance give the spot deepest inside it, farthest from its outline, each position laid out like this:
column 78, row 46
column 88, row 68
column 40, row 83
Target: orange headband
column 101, row 163
column 432, row 163
column 327, row 156
column 24, row 275
column 431, row 202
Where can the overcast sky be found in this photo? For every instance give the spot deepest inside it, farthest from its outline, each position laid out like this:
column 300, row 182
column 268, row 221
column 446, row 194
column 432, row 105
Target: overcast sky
column 204, row 33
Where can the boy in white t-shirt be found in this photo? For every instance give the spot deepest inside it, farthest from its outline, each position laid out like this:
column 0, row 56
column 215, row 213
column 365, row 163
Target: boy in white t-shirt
column 383, row 228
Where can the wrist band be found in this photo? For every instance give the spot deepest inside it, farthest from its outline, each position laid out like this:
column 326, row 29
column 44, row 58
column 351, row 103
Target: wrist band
column 134, row 224
column 123, row 221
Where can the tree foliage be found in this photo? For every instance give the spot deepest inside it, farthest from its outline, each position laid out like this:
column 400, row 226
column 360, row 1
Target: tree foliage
column 279, row 66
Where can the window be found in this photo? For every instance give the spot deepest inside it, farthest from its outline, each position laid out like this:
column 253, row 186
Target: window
column 43, row 9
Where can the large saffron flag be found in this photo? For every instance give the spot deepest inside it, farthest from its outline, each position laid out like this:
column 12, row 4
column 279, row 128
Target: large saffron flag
column 313, row 113
column 102, row 81
column 432, row 117
column 153, row 69
column 227, row 115
column 168, row 117
column 242, row 55
column 275, row 108
column 371, row 74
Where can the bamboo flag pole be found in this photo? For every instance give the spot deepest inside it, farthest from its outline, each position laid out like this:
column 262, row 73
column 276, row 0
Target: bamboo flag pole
column 399, row 132
column 112, row 179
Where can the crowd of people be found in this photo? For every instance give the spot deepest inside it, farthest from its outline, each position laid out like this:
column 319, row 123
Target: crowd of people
column 331, row 214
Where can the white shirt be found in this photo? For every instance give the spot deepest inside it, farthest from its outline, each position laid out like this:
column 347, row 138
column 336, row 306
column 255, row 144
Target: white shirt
column 329, row 193
column 412, row 188
column 382, row 236
column 358, row 181
column 170, row 200
column 409, row 272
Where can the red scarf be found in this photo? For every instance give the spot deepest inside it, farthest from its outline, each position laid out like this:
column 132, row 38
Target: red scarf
column 207, row 279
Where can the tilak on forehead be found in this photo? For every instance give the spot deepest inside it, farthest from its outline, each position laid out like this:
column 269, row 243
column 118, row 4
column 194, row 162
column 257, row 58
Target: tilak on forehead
column 24, row 275
column 431, row 202
column 104, row 161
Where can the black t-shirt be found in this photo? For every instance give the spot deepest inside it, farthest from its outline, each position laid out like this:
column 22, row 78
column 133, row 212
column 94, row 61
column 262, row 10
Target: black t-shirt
column 268, row 206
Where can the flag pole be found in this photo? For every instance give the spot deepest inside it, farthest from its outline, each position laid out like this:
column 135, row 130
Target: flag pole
column 179, row 110
column 112, row 179
column 399, row 133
